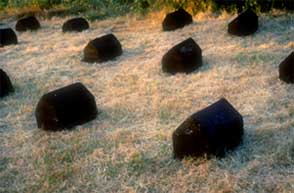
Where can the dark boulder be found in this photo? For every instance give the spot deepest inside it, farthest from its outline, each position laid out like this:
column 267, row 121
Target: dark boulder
column 75, row 25
column 27, row 23
column 66, row 107
column 102, row 49
column 5, row 84
column 244, row 24
column 7, row 37
column 177, row 19
column 184, row 57
column 211, row 131
column 286, row 69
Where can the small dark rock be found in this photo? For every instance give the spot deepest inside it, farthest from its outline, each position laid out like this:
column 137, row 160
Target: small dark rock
column 244, row 24
column 177, row 19
column 7, row 37
column 5, row 84
column 211, row 131
column 102, row 49
column 66, row 107
column 27, row 23
column 286, row 69
column 75, row 25
column 184, row 57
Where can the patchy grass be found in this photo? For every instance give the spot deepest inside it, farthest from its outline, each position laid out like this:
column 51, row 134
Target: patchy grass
column 128, row 148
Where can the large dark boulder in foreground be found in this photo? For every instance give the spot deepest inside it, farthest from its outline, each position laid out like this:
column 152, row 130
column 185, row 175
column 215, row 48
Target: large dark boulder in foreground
column 286, row 69
column 7, row 37
column 177, row 19
column 5, row 84
column 27, row 23
column 184, row 57
column 244, row 24
column 75, row 25
column 102, row 49
column 66, row 107
column 211, row 131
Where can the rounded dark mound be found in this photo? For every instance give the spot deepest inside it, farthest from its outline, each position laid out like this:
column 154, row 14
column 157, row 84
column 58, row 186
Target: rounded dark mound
column 7, row 37
column 176, row 20
column 28, row 23
column 75, row 25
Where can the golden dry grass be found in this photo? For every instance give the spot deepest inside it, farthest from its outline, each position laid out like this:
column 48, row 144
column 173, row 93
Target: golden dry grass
column 128, row 147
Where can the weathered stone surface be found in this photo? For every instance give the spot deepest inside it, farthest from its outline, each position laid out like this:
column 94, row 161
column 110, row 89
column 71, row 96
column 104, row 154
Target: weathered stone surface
column 7, row 36
column 27, row 23
column 176, row 20
column 75, row 25
column 246, row 23
column 66, row 107
column 286, row 69
column 5, row 84
column 102, row 49
column 211, row 131
column 184, row 57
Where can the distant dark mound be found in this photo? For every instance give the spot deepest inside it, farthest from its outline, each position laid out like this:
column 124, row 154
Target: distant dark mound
column 286, row 69
column 5, row 84
column 184, row 57
column 75, row 25
column 102, row 49
column 7, row 37
column 27, row 24
column 246, row 23
column 66, row 107
column 176, row 20
column 211, row 131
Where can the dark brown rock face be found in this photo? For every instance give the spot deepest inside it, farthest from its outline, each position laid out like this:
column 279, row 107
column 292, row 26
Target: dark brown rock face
column 102, row 49
column 286, row 69
column 75, row 25
column 7, row 37
column 66, row 107
column 5, row 84
column 184, row 57
column 27, row 23
column 211, row 131
column 246, row 23
column 176, row 20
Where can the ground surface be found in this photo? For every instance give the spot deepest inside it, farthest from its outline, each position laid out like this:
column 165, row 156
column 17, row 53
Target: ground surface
column 128, row 147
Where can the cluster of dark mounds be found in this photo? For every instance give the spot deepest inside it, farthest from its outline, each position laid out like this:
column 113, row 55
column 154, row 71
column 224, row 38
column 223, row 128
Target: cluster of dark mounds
column 213, row 130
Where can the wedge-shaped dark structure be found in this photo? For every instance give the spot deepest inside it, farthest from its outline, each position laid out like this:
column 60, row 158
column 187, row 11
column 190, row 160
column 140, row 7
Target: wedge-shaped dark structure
column 7, row 37
column 75, row 25
column 65, row 108
column 185, row 57
column 211, row 131
column 286, row 69
column 5, row 84
column 176, row 20
column 102, row 49
column 246, row 23
column 27, row 24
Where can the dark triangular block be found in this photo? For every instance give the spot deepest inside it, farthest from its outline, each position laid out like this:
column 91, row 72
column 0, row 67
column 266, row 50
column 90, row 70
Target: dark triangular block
column 177, row 19
column 5, row 84
column 27, row 23
column 66, row 107
column 184, row 57
column 7, row 37
column 286, row 69
column 75, row 25
column 102, row 49
column 211, row 131
column 245, row 24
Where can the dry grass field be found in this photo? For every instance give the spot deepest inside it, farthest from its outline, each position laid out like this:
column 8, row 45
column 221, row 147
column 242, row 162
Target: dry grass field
column 128, row 148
